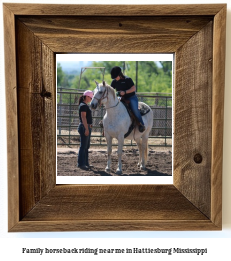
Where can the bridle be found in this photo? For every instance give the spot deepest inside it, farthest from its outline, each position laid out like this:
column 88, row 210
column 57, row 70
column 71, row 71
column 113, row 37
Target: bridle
column 104, row 96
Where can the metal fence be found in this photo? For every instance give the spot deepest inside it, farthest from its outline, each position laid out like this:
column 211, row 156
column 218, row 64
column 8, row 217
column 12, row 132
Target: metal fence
column 68, row 119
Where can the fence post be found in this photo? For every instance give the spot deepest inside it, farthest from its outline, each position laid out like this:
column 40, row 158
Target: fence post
column 166, row 119
column 60, row 111
column 70, row 118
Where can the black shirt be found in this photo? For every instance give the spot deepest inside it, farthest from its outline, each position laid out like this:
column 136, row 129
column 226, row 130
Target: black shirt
column 83, row 107
column 123, row 84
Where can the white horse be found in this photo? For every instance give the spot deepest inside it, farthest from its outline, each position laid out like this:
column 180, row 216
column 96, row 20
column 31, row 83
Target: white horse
column 116, row 123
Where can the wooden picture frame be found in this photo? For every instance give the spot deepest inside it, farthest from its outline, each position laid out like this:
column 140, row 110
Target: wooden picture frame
column 33, row 34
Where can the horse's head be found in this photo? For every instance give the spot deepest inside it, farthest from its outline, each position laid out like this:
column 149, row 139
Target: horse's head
column 100, row 95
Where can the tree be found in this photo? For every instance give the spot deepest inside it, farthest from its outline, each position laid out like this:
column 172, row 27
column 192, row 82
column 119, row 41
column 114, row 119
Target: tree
column 167, row 67
column 151, row 76
column 60, row 75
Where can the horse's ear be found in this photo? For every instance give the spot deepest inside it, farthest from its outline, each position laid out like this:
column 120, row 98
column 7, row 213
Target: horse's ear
column 96, row 82
column 104, row 84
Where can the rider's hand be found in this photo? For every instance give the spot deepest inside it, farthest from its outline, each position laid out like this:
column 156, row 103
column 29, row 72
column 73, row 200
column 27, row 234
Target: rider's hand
column 122, row 93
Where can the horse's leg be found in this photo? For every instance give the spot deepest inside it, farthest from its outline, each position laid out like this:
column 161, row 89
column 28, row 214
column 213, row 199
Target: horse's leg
column 139, row 144
column 144, row 152
column 120, row 150
column 109, row 151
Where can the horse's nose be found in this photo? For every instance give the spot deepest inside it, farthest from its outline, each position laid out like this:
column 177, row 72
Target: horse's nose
column 93, row 106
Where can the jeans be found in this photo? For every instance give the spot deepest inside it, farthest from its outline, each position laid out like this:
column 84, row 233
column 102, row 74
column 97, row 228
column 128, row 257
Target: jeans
column 84, row 146
column 134, row 107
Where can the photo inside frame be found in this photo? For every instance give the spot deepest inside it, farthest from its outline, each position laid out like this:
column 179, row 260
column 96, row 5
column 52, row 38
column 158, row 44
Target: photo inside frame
column 153, row 77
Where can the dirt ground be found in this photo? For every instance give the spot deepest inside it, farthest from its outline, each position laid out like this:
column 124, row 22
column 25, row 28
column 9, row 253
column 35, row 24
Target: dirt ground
column 159, row 162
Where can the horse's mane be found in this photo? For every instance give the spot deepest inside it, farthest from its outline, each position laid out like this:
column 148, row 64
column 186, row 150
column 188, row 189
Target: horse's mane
column 110, row 89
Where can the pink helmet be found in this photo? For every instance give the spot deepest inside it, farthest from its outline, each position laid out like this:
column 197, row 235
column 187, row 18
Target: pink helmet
column 88, row 93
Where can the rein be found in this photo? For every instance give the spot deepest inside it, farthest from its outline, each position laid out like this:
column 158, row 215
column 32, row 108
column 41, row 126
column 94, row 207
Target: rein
column 104, row 97
column 113, row 106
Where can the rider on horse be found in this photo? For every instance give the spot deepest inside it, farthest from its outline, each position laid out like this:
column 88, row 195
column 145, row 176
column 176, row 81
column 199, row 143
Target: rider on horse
column 124, row 85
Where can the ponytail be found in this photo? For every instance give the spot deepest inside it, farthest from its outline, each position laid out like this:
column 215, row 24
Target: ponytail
column 81, row 99
column 121, row 75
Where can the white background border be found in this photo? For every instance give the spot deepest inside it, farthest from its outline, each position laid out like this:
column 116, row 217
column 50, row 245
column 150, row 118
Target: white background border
column 218, row 242
column 113, row 179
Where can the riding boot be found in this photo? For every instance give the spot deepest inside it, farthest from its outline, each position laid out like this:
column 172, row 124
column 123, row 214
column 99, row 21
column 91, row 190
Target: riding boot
column 141, row 128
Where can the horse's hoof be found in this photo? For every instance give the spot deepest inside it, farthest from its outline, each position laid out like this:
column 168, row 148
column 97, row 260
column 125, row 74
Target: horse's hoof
column 142, row 168
column 108, row 170
column 119, row 172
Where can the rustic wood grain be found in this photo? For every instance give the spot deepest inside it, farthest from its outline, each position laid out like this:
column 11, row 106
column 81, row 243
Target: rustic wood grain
column 36, row 106
column 193, row 108
column 218, row 114
column 111, row 207
column 194, row 201
column 108, row 202
column 114, row 225
column 115, row 34
column 11, row 116
column 115, row 10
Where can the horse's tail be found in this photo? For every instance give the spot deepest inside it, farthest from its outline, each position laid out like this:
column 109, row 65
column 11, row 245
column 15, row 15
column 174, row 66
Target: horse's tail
column 146, row 154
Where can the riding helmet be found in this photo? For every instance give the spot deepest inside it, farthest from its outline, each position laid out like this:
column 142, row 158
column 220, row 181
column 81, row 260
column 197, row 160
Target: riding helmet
column 115, row 71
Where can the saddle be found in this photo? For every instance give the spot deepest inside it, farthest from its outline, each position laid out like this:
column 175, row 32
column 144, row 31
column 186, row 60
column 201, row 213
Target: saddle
column 143, row 110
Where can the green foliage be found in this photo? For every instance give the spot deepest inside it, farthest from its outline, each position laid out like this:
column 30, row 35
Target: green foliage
column 63, row 80
column 60, row 75
column 151, row 76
